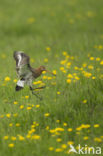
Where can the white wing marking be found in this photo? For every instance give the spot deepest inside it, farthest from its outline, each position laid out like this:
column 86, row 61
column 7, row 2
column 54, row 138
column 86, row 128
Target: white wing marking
column 19, row 59
column 21, row 83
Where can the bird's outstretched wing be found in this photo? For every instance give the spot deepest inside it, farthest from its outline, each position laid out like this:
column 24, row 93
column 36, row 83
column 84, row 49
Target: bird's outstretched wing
column 22, row 63
column 21, row 58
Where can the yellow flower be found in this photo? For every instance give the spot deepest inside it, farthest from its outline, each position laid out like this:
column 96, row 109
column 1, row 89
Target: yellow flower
column 15, row 102
column 45, row 60
column 78, row 128
column 69, row 80
column 21, row 106
column 85, row 101
column 72, row 57
column 32, row 126
column 57, row 133
column 36, row 137
column 32, row 60
column 46, row 114
column 58, row 139
column 64, row 124
column 51, row 148
column 84, row 65
column 17, row 124
column 87, row 74
column 52, row 130
column 97, row 59
column 61, row 68
column 101, row 62
column 76, row 68
column 28, row 108
column 7, row 79
column 85, row 138
column 1, row 116
column 37, row 106
column 48, row 49
column 70, row 142
column 64, row 146
column 98, row 139
column 77, row 78
column 15, row 115
column 28, row 136
column 69, row 129
column 59, row 129
column 70, row 76
column 64, row 71
column 64, row 53
column 44, row 77
column 58, row 93
column 100, row 47
column 96, row 125
column 15, row 80
column 91, row 58
column 26, row 97
column 11, row 145
column 58, row 150
column 6, row 137
column 31, row 20
column 90, row 67
column 54, row 72
column 30, row 132
column 37, row 82
column 57, row 121
column 85, row 126
column 68, row 64
column 74, row 74
column 33, row 130
column 21, row 138
column 81, row 68
column 8, row 115
column 10, row 124
column 49, row 78
column 63, row 62
column 13, row 138
column 44, row 72
column 93, row 77
column 47, row 128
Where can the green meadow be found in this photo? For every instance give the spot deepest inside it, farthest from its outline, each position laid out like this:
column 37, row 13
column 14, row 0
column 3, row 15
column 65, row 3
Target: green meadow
column 66, row 36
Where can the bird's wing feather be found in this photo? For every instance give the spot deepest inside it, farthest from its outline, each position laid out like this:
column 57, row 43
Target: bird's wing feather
column 21, row 58
column 22, row 63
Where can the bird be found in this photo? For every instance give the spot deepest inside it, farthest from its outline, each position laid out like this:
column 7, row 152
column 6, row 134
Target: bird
column 25, row 72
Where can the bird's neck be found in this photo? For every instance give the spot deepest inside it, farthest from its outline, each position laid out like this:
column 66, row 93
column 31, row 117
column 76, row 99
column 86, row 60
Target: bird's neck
column 37, row 72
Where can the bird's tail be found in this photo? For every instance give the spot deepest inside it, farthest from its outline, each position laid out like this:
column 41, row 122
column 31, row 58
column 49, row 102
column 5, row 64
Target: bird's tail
column 20, row 84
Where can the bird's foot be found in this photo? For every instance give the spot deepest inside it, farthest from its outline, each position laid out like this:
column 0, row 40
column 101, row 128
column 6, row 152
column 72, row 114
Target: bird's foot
column 39, row 97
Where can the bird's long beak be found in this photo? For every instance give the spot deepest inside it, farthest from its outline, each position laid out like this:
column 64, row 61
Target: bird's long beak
column 50, row 72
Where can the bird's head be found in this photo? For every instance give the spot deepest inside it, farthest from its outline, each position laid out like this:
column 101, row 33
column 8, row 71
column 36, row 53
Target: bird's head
column 43, row 68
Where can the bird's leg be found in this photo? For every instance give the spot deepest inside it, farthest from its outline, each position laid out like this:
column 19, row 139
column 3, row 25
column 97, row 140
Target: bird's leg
column 34, row 93
column 39, row 87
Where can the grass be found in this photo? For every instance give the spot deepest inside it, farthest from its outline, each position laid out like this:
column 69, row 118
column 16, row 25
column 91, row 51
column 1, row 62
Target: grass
column 66, row 36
